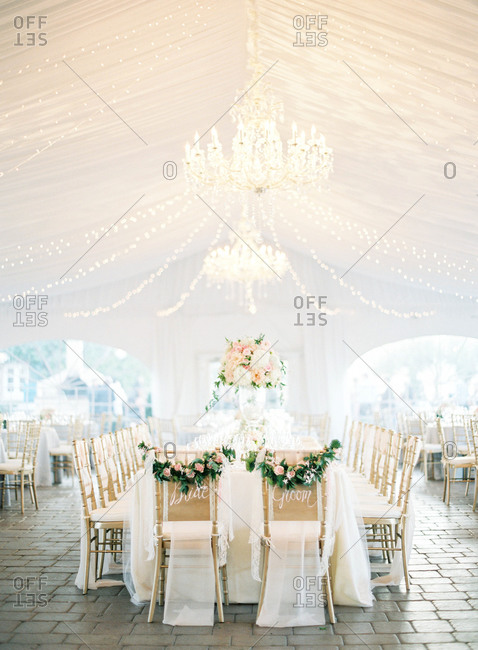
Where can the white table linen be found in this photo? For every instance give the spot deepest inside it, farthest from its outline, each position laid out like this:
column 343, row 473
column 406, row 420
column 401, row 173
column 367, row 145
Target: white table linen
column 3, row 459
column 49, row 439
column 350, row 568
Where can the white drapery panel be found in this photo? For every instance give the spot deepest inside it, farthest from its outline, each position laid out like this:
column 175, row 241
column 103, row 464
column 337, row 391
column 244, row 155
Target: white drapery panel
column 70, row 167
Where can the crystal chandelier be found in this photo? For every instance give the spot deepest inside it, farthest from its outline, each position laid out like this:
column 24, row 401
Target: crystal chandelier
column 259, row 160
column 245, row 266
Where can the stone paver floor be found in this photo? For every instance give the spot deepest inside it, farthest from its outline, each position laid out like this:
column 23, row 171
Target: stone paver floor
column 440, row 611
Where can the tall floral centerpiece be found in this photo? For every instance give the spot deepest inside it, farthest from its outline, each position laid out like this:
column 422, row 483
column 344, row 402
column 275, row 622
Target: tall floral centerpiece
column 252, row 366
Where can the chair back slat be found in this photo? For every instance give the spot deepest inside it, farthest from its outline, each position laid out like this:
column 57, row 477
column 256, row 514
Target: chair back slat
column 102, row 477
column 83, row 471
column 111, row 461
column 32, row 440
column 410, row 459
column 17, row 431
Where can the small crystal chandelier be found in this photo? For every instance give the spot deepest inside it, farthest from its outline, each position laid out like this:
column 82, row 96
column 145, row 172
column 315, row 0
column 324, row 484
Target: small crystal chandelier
column 245, row 266
column 259, row 160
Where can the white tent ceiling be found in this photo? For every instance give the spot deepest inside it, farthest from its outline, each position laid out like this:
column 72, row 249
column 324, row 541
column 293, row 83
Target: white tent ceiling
column 70, row 167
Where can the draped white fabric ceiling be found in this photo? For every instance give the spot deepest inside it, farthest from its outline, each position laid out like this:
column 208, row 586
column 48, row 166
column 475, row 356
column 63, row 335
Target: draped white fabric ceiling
column 70, row 167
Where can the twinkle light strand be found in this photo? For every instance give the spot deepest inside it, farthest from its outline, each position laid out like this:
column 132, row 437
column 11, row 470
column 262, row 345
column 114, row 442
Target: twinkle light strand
column 144, row 283
column 430, row 262
column 193, row 284
column 21, row 255
column 355, row 292
column 137, row 62
column 81, row 272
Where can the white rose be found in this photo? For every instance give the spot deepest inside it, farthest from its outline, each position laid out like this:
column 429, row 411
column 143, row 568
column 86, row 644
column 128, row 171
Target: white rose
column 242, row 377
column 259, row 359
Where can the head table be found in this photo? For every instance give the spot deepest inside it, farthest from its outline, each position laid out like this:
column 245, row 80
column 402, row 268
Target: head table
column 350, row 569
column 241, row 525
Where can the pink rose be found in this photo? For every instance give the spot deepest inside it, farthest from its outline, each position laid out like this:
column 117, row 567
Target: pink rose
column 199, row 467
column 220, row 458
column 190, row 474
column 278, row 470
column 290, row 473
column 166, row 471
column 177, row 467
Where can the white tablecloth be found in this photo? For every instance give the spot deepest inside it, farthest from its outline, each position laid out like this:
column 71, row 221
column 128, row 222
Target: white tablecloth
column 350, row 570
column 3, row 458
column 432, row 433
column 49, row 439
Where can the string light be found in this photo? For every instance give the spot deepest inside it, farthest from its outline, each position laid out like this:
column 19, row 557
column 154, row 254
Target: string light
column 94, row 234
column 331, row 224
column 357, row 293
column 193, row 284
column 144, row 283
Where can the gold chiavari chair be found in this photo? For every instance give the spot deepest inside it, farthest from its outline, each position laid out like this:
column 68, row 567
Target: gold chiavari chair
column 382, row 479
column 312, row 506
column 109, row 493
column 473, row 423
column 377, row 479
column 23, row 469
column 15, row 439
column 129, row 453
column 387, row 523
column 112, row 465
column 125, row 460
column 62, row 456
column 389, row 479
column 354, row 444
column 462, row 434
column 197, row 505
column 139, row 433
column 107, row 519
column 451, row 462
column 106, row 493
column 417, row 426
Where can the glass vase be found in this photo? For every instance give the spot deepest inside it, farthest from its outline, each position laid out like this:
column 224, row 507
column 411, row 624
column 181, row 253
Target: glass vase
column 252, row 403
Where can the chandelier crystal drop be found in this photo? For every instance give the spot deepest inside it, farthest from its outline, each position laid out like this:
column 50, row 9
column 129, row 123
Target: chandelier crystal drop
column 259, row 160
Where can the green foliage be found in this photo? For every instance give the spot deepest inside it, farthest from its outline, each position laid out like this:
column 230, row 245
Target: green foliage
column 209, row 465
column 288, row 476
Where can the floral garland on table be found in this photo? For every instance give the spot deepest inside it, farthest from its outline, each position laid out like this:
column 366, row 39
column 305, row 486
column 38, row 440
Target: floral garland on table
column 249, row 362
column 309, row 470
column 209, row 465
